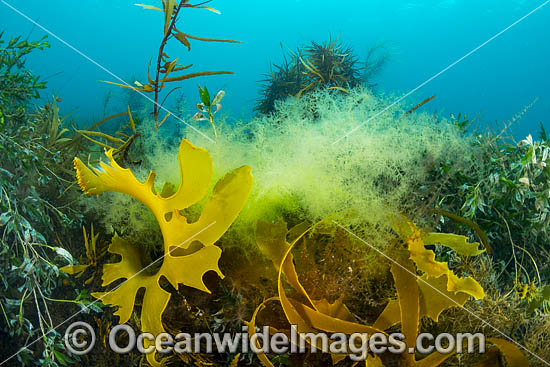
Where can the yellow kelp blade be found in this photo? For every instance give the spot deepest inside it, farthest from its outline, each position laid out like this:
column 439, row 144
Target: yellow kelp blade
column 271, row 239
column 252, row 329
column 426, row 263
column 221, row 209
column 187, row 270
column 434, row 299
column 404, row 275
column 439, row 287
column 322, row 316
column 178, row 267
column 511, row 352
column 223, row 206
column 373, row 361
column 308, row 319
column 469, row 223
column 74, row 269
column 458, row 243
column 235, row 361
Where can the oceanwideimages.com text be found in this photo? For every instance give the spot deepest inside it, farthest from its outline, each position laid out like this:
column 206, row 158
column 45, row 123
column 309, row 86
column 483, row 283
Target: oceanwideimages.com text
column 80, row 339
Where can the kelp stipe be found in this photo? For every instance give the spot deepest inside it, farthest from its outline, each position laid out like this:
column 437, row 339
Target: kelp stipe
column 182, row 262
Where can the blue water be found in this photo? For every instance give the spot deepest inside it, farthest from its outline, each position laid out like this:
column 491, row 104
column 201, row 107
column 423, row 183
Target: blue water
column 421, row 37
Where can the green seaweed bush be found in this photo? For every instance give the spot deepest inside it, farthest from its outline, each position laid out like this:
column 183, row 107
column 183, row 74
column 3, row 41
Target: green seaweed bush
column 509, row 198
column 17, row 84
column 36, row 219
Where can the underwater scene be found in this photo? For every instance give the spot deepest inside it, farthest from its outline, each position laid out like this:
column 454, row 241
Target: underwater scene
column 294, row 183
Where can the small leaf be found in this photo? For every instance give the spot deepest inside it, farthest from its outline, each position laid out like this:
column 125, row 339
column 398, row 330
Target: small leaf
column 150, row 7
column 205, row 95
column 200, row 117
column 218, row 97
column 181, row 37
column 202, row 108
column 73, row 269
column 218, row 108
column 205, row 7
column 64, row 254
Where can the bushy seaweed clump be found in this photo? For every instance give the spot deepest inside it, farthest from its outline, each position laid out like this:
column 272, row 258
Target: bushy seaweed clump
column 329, row 65
column 37, row 219
column 40, row 216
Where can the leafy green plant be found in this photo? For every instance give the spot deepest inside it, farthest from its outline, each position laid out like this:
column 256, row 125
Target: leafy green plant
column 36, row 220
column 508, row 196
column 206, row 108
column 17, row 84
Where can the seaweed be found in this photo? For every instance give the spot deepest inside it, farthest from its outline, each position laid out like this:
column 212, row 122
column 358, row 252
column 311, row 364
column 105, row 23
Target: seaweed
column 164, row 65
column 94, row 254
column 120, row 143
column 420, row 105
column 206, row 111
column 436, row 290
column 287, row 80
column 188, row 250
column 328, row 65
column 38, row 214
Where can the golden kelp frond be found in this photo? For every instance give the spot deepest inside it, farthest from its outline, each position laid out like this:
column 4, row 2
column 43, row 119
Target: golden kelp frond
column 477, row 229
column 187, row 270
column 178, row 266
column 439, row 287
column 511, row 353
column 425, row 259
column 427, row 295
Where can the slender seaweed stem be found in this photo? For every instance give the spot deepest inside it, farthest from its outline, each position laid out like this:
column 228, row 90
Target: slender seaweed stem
column 159, row 59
